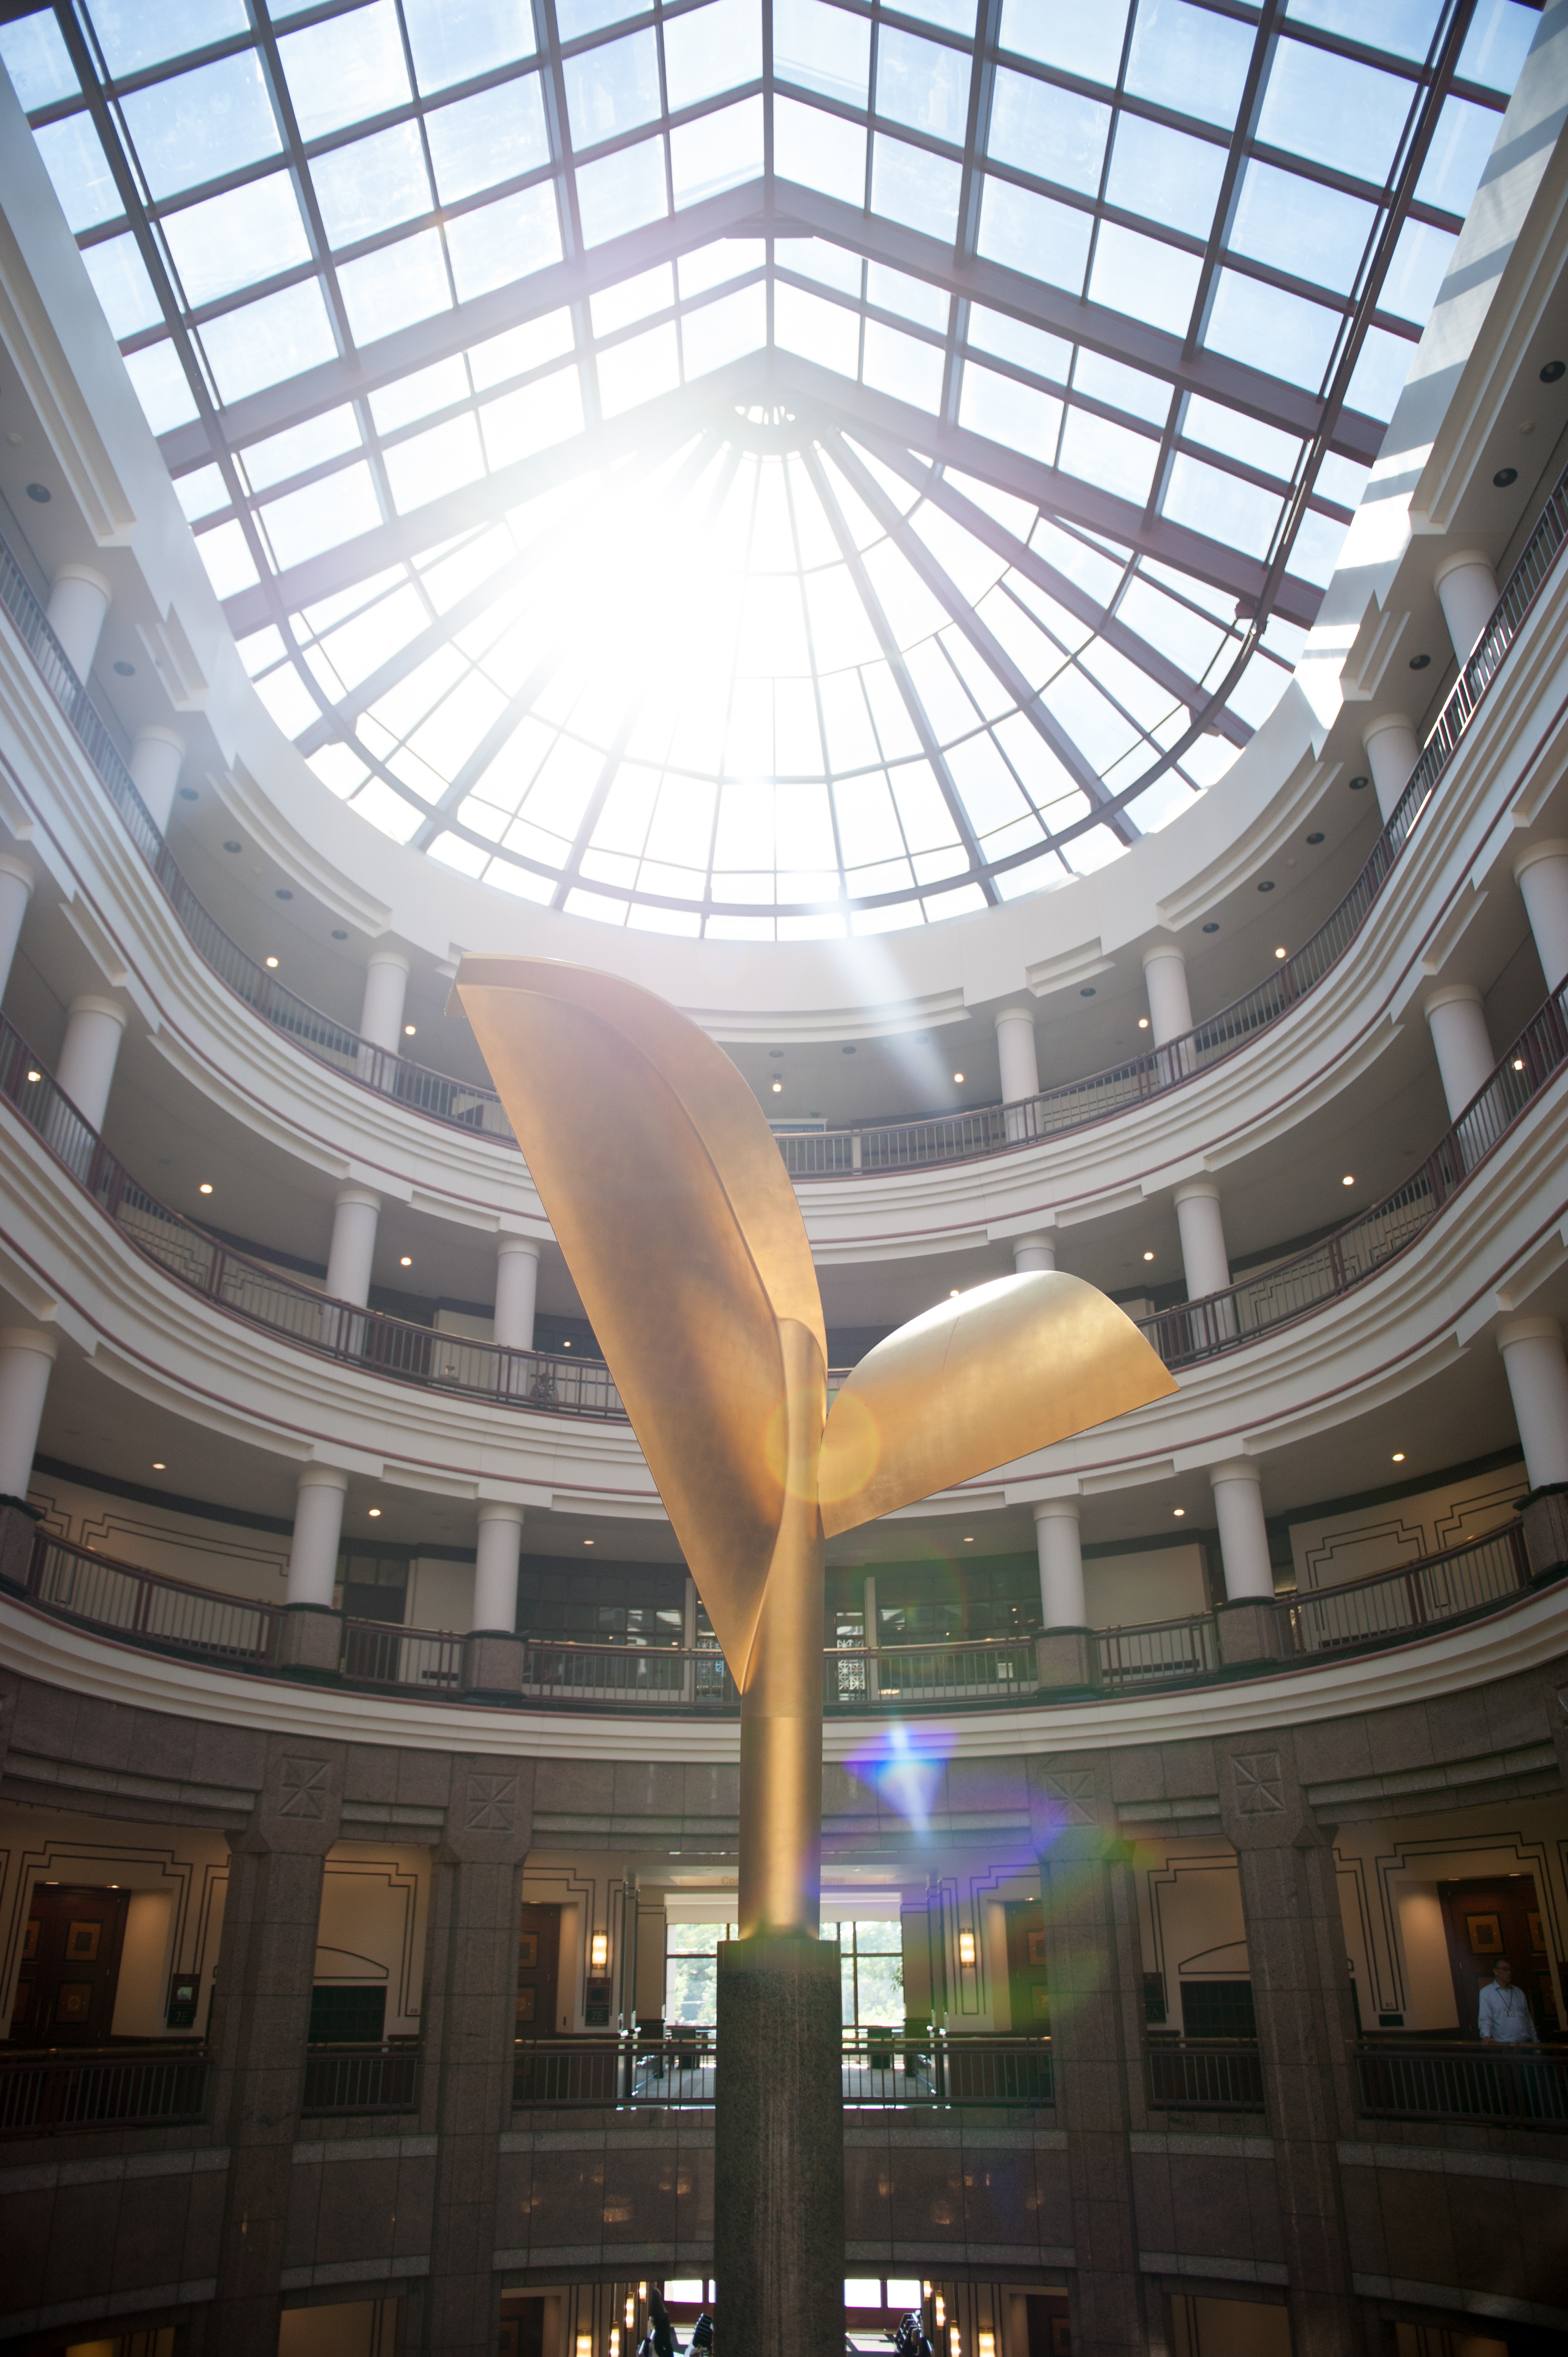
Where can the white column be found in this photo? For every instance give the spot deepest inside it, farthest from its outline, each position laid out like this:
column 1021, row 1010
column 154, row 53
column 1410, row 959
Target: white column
column 354, row 1215
column 1165, row 979
column 1033, row 1251
column 26, row 1354
column 1540, row 871
column 1203, row 1255
column 79, row 600
column 1243, row 1535
column 1467, row 592
column 317, row 1527
column 1392, row 753
column 15, row 892
column 1459, row 1034
column 495, row 1568
column 1536, row 1371
column 1015, row 1053
column 156, row 757
column 94, row 1028
column 1061, row 1564
column 386, row 984
column 517, row 1289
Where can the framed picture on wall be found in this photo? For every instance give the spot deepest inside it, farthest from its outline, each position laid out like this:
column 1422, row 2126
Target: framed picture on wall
column 81, row 1943
column 1061, row 2337
column 1486, row 1934
column 1537, row 1931
column 528, row 1951
column 73, row 2001
column 30, row 1941
column 1037, row 1949
column 525, row 2004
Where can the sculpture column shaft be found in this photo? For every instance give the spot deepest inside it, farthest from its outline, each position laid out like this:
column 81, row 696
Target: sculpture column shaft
column 782, row 1700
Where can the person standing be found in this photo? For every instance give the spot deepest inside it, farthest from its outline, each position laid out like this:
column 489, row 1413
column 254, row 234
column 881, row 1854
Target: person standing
column 1505, row 2016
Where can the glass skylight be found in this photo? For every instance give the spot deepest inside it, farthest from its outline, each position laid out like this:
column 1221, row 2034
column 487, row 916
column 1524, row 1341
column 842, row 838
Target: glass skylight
column 767, row 467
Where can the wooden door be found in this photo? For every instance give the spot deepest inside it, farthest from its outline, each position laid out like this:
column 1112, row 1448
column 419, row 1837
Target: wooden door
column 71, row 1967
column 1497, row 1915
column 1027, row 1987
column 538, row 1971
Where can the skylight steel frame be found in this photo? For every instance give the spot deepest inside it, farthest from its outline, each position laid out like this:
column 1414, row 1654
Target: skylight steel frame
column 773, row 209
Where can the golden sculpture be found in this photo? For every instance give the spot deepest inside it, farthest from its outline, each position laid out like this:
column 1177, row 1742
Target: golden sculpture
column 670, row 1200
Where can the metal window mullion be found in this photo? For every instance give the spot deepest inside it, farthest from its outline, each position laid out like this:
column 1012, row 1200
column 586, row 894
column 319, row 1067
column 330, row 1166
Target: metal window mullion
column 829, row 774
column 1224, row 220
column 894, row 656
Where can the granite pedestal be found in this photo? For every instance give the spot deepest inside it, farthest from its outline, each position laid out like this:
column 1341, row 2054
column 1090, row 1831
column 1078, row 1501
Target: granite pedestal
column 779, row 2148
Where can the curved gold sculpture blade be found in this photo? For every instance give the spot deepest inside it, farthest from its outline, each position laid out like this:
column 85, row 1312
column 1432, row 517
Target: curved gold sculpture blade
column 977, row 1383
column 671, row 1202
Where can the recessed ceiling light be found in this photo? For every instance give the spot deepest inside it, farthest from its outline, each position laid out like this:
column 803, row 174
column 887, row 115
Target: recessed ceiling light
column 1212, row 928
column 1518, row 1063
column 846, row 1051
column 778, row 1088
column 1553, row 372
column 1421, row 662
column 1280, row 953
column 271, row 963
column 566, row 1345
column 1148, row 1255
column 1348, row 1180
column 968, row 1541
column 1315, row 838
column 1179, row 1511
column 1142, row 1022
column 1265, row 884
column 39, row 493
column 1087, row 992
column 1359, row 785
column 953, row 1294
column 339, row 932
column 406, row 1262
column 158, row 1464
column 411, row 1030
column 33, row 1074
column 587, row 1542
column 958, row 1076
column 1398, row 1457
column 374, row 1512
column 1502, row 478
column 233, row 846
column 205, row 1188
column 125, row 671
column 283, row 893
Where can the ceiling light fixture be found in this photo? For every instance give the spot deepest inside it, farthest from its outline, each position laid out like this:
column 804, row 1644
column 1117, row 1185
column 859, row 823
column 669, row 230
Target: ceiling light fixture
column 1518, row 1063
column 968, row 1541
column 587, row 1542
column 33, row 1075
column 406, row 1262
column 1398, row 1457
column 411, row 1030
column 778, row 1088
column 1142, row 1022
column 1148, row 1255
column 205, row 1188
column 1180, row 1513
column 1348, row 1179
column 1280, row 953
column 374, row 1512
column 271, row 963
column 958, row 1076
column 158, row 1464
column 953, row 1294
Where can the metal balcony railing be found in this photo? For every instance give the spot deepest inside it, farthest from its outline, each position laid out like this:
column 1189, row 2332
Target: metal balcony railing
column 1204, row 2075
column 1449, row 1587
column 916, row 1144
column 341, row 2080
column 1514, row 2086
column 78, row 1584
column 1157, row 1651
column 43, row 2093
column 882, row 2069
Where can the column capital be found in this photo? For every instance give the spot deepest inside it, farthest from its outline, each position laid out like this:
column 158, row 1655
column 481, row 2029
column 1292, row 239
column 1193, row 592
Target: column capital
column 91, row 1004
column 507, row 1245
column 489, row 1811
column 1529, row 1329
column 499, row 1510
column 1451, row 994
column 1195, row 1190
column 40, row 1340
column 1457, row 560
column 399, row 958
column 1158, row 950
column 1057, row 1509
column 159, row 732
column 1530, row 854
column 1381, row 725
column 357, row 1194
column 300, row 1808
column 1013, row 1013
column 11, row 863
column 74, row 570
column 1236, row 1469
column 323, row 1477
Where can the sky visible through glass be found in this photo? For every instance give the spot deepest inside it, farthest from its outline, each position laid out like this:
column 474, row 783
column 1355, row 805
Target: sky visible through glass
column 772, row 468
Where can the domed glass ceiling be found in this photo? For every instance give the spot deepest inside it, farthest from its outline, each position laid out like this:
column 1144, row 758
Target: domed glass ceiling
column 768, row 468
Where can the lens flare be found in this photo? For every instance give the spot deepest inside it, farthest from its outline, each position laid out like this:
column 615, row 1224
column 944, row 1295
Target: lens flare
column 905, row 1769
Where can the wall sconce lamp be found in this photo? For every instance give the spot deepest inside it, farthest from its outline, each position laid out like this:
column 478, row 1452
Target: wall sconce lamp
column 966, row 1948
column 599, row 1951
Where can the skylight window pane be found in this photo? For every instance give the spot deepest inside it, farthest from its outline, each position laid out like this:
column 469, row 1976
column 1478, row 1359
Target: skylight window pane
column 453, row 40
column 711, row 265
column 711, row 49
column 1333, row 110
column 1263, row 447
column 1301, row 227
column 1055, row 134
column 824, row 47
column 121, row 283
column 497, row 136
column 1122, row 388
column 1145, row 279
column 161, row 385
column 718, row 151
column 1461, row 147
column 137, row 33
column 1315, row 552
column 818, row 329
column 633, row 298
column 1221, row 506
column 1172, row 629
column 1404, row 27
column 953, row 15
column 1341, row 480
column 1420, row 263
column 1165, row 175
column 225, row 553
column 310, row 445
column 912, row 186
column 409, row 397
column 535, row 417
column 814, row 257
column 431, row 464
column 1083, row 41
column 923, row 85
column 202, row 494
column 1497, row 43
column 1112, row 456
column 1249, row 317
column 1101, row 733
column 74, row 160
column 725, row 331
column 37, row 61
column 1012, row 414
column 612, row 89
column 346, row 70
column 522, row 348
column 900, row 365
column 338, row 508
column 504, row 241
column 1189, row 61
column 385, row 291
column 1011, row 340
column 639, row 370
column 819, row 150
column 912, row 298
column 1378, row 379
column 232, row 241
column 1034, row 234
column 622, row 191
column 266, row 341
column 371, row 185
